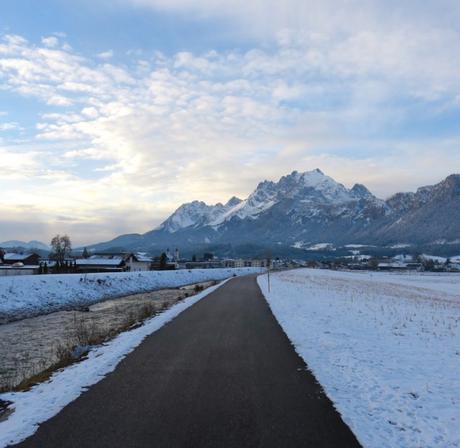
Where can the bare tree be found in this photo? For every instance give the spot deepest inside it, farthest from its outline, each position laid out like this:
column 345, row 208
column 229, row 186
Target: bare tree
column 61, row 247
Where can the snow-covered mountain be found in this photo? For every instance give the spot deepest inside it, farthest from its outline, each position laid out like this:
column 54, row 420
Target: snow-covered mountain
column 24, row 245
column 312, row 190
column 303, row 209
column 198, row 214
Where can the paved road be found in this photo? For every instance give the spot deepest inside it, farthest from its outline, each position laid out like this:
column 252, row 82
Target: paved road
column 222, row 374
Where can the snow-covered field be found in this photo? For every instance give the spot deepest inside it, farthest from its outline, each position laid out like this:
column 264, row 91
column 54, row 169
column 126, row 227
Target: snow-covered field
column 385, row 347
column 45, row 400
column 31, row 295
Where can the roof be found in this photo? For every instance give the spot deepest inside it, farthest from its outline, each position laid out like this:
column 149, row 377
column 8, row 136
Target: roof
column 99, row 261
column 392, row 265
column 142, row 257
column 17, row 257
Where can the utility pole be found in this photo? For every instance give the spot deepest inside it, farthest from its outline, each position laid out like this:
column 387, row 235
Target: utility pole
column 268, row 278
column 268, row 272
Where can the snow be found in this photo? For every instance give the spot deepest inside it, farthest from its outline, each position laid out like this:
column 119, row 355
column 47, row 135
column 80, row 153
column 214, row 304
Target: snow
column 441, row 260
column 321, row 246
column 314, row 247
column 96, row 260
column 187, row 215
column 266, row 195
column 45, row 400
column 385, row 347
column 358, row 256
column 30, row 295
column 403, row 258
column 142, row 257
column 30, row 245
column 299, row 245
column 15, row 257
column 400, row 245
column 331, row 190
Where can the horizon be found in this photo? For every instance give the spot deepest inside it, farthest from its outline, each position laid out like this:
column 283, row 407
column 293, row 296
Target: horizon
column 80, row 245
column 112, row 119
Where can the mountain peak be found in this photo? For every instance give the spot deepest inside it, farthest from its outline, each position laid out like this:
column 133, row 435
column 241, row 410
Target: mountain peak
column 449, row 187
column 453, row 180
column 316, row 173
column 313, row 207
column 233, row 201
column 361, row 192
column 310, row 189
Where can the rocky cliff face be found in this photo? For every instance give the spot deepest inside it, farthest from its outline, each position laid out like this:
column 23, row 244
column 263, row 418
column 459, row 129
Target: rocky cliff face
column 307, row 208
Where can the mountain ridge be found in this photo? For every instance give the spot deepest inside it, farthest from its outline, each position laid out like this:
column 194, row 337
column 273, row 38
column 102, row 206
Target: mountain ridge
column 309, row 207
column 13, row 244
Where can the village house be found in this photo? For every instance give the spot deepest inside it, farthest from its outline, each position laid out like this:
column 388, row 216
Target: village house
column 139, row 261
column 102, row 263
column 31, row 259
column 19, row 264
column 115, row 262
column 211, row 264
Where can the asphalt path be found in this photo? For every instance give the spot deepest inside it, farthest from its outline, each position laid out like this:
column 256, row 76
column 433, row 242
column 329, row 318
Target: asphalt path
column 221, row 374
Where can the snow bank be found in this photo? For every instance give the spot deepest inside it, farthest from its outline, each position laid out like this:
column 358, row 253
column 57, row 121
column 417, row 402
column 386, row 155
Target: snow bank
column 385, row 347
column 45, row 400
column 26, row 296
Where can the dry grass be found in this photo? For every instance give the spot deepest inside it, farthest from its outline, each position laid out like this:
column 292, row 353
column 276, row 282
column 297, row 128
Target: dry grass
column 86, row 334
column 86, row 330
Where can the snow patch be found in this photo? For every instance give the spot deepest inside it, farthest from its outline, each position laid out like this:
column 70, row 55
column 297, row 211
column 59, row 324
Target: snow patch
column 321, row 246
column 385, row 347
column 45, row 400
column 31, row 295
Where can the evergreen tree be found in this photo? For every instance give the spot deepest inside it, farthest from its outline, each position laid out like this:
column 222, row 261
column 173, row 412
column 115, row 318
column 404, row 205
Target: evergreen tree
column 163, row 261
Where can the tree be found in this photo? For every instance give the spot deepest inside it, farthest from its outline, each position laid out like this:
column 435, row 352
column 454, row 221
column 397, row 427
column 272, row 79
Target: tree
column 163, row 261
column 373, row 263
column 428, row 264
column 208, row 256
column 193, row 257
column 85, row 253
column 2, row 254
column 61, row 248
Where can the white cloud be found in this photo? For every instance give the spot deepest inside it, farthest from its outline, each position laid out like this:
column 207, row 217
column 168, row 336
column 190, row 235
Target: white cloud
column 106, row 54
column 144, row 137
column 263, row 18
column 9, row 126
column 50, row 41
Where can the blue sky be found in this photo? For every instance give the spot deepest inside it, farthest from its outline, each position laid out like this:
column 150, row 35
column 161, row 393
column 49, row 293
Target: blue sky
column 113, row 113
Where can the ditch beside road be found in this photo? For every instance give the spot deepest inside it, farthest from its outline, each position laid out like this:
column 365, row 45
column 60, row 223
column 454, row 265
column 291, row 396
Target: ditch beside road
column 30, row 349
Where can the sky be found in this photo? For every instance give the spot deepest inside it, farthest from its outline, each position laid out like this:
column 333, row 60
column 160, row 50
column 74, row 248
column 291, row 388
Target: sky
column 113, row 113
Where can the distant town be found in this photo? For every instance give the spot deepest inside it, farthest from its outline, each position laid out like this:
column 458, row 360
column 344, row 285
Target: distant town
column 61, row 259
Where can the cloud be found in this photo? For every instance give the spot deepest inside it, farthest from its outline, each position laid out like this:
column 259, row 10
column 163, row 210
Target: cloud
column 266, row 18
column 9, row 126
column 51, row 41
column 106, row 54
column 120, row 145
